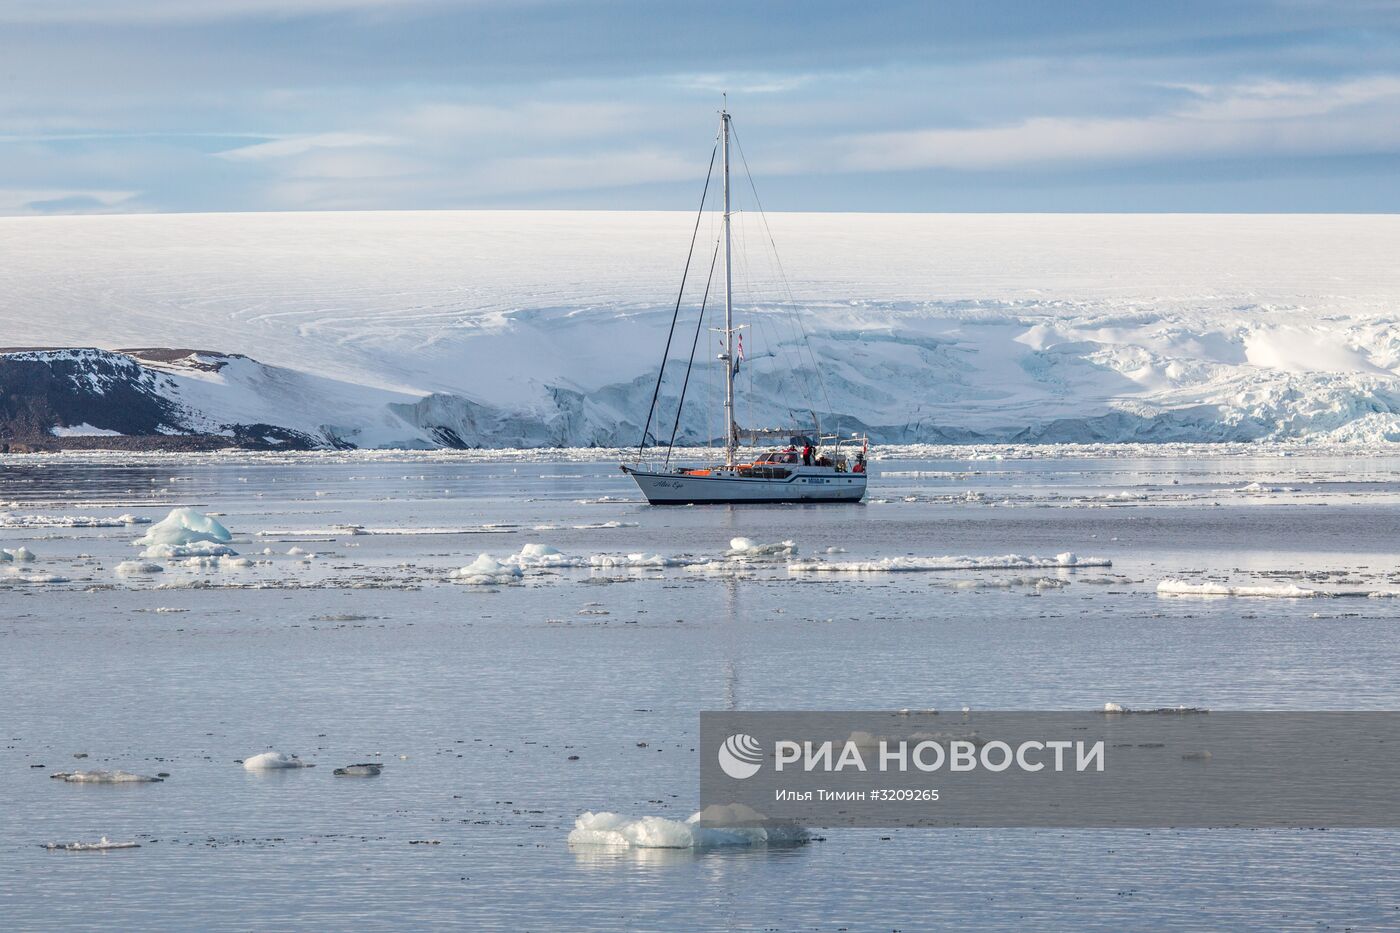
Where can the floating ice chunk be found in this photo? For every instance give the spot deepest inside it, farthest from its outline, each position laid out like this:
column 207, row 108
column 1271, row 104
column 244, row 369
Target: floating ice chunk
column 748, row 548
column 104, row 777
column 638, row 559
column 294, row 551
column 138, row 566
column 364, row 769
column 185, row 551
column 185, row 526
column 487, row 571
column 1039, row 583
column 917, row 564
column 41, row 578
column 541, row 555
column 714, row 826
column 274, row 761
column 20, row 555
column 1175, row 587
column 1257, row 488
column 587, row 526
column 216, row 562
column 1112, row 708
column 102, row 845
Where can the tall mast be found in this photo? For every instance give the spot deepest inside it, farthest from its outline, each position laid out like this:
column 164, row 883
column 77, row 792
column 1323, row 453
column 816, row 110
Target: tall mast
column 731, row 434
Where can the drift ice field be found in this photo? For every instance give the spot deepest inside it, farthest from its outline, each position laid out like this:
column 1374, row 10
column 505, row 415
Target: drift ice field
column 541, row 329
column 359, row 686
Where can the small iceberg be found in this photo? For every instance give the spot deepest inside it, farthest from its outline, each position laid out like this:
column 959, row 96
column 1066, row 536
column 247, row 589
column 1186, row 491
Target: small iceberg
column 712, row 827
column 20, row 555
column 274, row 761
column 183, row 527
column 487, row 571
column 534, row 556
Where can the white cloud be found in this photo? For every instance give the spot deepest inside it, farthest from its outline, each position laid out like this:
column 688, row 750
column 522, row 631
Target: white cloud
column 290, row 146
column 576, row 173
column 1264, row 119
column 63, row 200
column 743, row 82
column 137, row 11
column 532, row 120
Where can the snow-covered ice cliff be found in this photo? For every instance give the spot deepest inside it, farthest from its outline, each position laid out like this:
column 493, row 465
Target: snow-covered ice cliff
column 545, row 328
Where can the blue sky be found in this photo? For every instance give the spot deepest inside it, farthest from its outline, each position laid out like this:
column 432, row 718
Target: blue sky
column 199, row 105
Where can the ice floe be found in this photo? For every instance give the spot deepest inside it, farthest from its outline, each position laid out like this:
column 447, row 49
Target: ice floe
column 274, row 761
column 487, row 571
column 216, row 562
column 1178, row 710
column 712, row 827
column 38, row 578
column 586, row 526
column 1257, row 488
column 353, row 530
column 21, row 555
column 540, row 555
column 1039, row 583
column 364, row 769
column 102, row 845
column 745, row 555
column 925, row 564
column 637, row 559
column 186, row 551
column 130, row 567
column 8, row 520
column 1177, row 587
column 104, row 777
column 750, row 549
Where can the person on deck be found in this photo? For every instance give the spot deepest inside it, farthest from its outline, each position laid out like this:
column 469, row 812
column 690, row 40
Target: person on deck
column 860, row 463
column 807, row 455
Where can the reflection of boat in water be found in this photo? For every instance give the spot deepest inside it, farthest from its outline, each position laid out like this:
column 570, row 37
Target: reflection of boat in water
column 825, row 469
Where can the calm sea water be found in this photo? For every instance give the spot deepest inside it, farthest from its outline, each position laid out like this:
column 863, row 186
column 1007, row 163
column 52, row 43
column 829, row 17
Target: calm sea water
column 502, row 713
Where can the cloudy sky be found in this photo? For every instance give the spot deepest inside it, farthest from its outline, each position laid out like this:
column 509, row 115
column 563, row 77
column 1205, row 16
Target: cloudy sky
column 211, row 105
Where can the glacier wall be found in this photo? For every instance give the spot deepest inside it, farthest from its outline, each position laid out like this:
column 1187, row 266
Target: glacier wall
column 545, row 328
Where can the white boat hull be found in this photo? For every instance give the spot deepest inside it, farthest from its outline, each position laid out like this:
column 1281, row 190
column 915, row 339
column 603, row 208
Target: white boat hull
column 806, row 484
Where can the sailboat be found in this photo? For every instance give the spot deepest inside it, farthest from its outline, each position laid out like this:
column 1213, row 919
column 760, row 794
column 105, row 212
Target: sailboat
column 820, row 468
